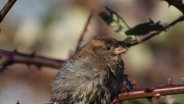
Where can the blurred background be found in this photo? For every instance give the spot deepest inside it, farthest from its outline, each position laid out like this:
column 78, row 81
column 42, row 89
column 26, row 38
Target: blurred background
column 51, row 28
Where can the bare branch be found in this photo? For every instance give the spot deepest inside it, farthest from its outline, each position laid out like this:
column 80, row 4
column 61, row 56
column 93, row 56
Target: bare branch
column 6, row 8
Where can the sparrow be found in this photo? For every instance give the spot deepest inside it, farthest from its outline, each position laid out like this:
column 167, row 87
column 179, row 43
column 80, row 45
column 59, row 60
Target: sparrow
column 94, row 75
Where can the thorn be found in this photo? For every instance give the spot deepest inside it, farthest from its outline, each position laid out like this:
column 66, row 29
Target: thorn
column 147, row 90
column 157, row 95
column 158, row 22
column 169, row 5
column 151, row 21
column 18, row 102
column 165, row 30
column 149, row 99
column 169, row 82
column 28, row 65
column 2, row 68
column 39, row 67
column 5, row 64
column 33, row 54
column 15, row 50
column 115, row 101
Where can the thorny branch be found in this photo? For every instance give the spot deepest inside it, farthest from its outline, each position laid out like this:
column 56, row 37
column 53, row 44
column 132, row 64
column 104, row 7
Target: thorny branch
column 157, row 92
column 6, row 8
column 16, row 57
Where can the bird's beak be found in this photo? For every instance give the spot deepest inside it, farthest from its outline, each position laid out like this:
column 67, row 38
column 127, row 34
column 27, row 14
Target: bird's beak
column 120, row 50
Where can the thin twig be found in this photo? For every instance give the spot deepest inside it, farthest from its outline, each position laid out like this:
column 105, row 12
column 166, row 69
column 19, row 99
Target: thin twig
column 152, row 92
column 180, row 19
column 6, row 8
column 84, row 30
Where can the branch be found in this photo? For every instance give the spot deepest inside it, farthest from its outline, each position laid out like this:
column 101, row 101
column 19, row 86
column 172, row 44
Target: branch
column 6, row 8
column 149, row 36
column 157, row 92
column 84, row 30
column 11, row 57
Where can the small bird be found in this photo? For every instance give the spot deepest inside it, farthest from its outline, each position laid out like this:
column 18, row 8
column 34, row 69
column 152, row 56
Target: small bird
column 94, row 75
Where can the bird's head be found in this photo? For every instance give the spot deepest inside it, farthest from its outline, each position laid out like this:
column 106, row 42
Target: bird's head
column 106, row 48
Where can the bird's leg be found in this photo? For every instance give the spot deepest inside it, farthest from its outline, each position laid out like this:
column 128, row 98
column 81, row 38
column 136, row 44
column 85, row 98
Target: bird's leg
column 128, row 84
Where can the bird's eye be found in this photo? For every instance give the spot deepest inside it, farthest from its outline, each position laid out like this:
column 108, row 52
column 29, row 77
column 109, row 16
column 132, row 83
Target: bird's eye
column 108, row 47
